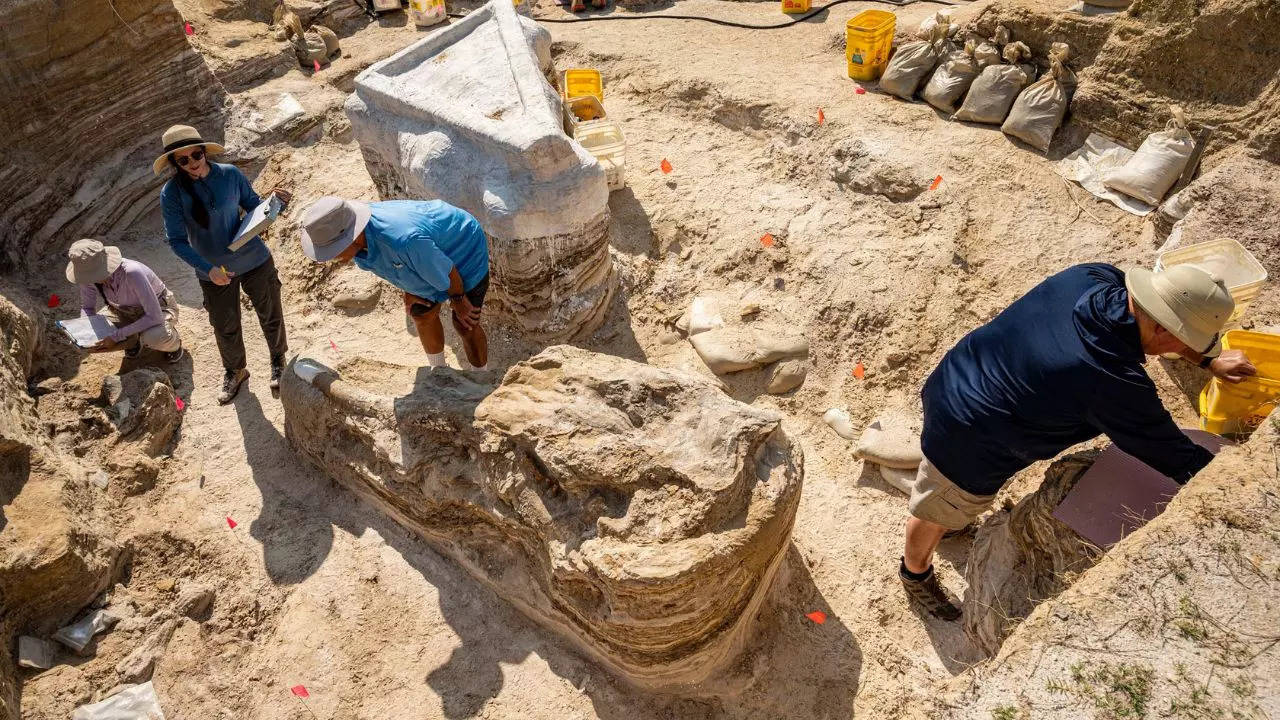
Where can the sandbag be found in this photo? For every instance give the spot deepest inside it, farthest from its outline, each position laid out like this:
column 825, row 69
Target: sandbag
column 1038, row 111
column 952, row 79
column 1158, row 164
column 912, row 63
column 898, row 479
column 994, row 91
column 891, row 440
column 943, row 17
column 988, row 51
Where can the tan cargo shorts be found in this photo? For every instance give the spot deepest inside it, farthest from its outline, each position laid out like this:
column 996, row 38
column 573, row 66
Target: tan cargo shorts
column 163, row 337
column 938, row 500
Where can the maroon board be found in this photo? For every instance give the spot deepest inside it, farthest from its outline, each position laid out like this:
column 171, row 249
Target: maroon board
column 1120, row 493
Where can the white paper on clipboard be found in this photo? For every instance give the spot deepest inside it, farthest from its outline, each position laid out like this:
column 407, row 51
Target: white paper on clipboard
column 88, row 330
column 255, row 222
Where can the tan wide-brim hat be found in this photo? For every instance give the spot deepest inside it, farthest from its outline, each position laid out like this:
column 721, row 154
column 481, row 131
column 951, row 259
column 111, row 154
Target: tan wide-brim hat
column 330, row 225
column 1187, row 301
column 178, row 137
column 91, row 261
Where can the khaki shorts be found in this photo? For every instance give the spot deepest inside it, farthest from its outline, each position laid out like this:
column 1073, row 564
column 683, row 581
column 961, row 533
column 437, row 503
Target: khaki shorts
column 938, row 500
column 163, row 337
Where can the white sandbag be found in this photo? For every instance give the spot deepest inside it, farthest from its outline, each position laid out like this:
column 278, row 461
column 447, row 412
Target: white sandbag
column 898, row 478
column 1038, row 111
column 912, row 63
column 1158, row 164
column 943, row 17
column 995, row 89
column 840, row 423
column 704, row 315
column 77, row 635
column 952, row 79
column 137, row 702
column 891, row 440
column 988, row 51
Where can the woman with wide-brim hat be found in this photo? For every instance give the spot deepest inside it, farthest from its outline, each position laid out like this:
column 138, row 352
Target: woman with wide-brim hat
column 202, row 204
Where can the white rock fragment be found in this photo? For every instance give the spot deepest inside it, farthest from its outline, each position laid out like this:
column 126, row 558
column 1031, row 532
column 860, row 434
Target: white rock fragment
column 840, row 423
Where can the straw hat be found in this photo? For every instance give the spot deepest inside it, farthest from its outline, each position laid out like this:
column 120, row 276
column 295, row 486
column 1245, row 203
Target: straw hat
column 180, row 136
column 330, row 225
column 91, row 261
column 1187, row 301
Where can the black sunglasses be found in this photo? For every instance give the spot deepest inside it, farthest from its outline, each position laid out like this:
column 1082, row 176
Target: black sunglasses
column 183, row 160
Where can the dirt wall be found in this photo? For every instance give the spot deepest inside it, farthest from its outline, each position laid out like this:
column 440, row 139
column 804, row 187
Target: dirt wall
column 88, row 87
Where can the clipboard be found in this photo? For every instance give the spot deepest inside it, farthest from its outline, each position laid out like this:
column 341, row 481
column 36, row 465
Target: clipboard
column 88, row 330
column 255, row 222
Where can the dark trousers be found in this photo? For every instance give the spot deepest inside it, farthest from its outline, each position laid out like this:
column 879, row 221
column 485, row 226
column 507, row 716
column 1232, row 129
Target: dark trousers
column 222, row 302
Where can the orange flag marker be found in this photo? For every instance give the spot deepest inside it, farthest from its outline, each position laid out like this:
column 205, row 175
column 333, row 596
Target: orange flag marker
column 821, row 118
column 767, row 240
column 817, row 616
column 666, row 166
column 859, row 371
column 936, row 182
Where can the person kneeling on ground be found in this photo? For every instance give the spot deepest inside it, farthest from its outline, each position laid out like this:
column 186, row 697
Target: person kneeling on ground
column 429, row 249
column 134, row 300
column 1060, row 366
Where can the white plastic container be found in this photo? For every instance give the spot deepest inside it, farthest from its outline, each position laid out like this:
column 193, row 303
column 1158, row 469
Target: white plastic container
column 1227, row 259
column 426, row 12
column 604, row 140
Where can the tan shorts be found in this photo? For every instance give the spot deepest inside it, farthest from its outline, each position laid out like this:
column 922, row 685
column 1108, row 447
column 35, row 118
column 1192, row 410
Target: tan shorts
column 163, row 337
column 938, row 500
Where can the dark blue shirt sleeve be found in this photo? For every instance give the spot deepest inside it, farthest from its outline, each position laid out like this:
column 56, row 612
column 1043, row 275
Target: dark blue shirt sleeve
column 1132, row 415
column 248, row 198
column 175, row 229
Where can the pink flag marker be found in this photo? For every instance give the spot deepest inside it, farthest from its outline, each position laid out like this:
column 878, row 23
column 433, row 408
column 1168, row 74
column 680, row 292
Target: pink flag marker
column 186, row 28
column 316, row 63
column 300, row 691
column 54, row 301
column 861, row 91
column 333, row 345
column 177, row 401
column 231, row 523
column 817, row 616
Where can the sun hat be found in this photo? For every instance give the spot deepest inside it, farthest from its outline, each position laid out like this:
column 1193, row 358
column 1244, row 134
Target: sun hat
column 330, row 225
column 1187, row 301
column 178, row 137
column 91, row 261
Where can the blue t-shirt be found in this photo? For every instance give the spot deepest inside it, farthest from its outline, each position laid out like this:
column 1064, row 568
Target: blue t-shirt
column 225, row 192
column 1061, row 365
column 413, row 244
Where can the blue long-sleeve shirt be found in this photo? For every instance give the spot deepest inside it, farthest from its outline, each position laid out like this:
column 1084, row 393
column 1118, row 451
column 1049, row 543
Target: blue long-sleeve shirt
column 413, row 244
column 225, row 192
column 1061, row 365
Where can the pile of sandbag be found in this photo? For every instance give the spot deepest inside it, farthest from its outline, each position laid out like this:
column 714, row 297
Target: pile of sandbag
column 915, row 61
column 318, row 44
column 891, row 441
column 1157, row 164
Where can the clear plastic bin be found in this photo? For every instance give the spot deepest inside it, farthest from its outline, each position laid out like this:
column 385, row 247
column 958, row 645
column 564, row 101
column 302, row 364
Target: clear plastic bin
column 604, row 140
column 1227, row 259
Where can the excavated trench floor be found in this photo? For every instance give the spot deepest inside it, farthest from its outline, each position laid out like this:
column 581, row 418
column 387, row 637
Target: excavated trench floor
column 870, row 264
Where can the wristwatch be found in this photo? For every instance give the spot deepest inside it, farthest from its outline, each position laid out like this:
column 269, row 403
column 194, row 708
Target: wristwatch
column 1204, row 361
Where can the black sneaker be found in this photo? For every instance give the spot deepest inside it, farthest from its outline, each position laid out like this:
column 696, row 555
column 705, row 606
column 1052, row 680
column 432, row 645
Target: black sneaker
column 276, row 372
column 133, row 350
column 231, row 383
column 174, row 356
column 929, row 594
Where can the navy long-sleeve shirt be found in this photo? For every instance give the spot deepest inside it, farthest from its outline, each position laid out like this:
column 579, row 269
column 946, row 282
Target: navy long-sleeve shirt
column 1061, row 365
column 225, row 192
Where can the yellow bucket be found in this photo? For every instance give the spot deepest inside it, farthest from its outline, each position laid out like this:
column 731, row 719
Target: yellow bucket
column 868, row 40
column 1239, row 407
column 579, row 82
column 794, row 7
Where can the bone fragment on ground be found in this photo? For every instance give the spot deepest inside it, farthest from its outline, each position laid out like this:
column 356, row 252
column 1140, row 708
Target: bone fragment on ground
column 466, row 115
column 892, row 440
column 733, row 345
column 637, row 511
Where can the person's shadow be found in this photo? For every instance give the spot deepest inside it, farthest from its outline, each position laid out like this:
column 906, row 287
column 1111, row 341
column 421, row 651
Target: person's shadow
column 295, row 539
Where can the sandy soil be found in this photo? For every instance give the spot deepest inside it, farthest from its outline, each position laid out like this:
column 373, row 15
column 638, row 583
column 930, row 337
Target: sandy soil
column 873, row 266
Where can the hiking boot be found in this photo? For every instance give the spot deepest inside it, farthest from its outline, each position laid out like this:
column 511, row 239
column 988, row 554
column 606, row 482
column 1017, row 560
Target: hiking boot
column 276, row 371
column 174, row 356
column 133, row 350
column 929, row 594
column 231, row 384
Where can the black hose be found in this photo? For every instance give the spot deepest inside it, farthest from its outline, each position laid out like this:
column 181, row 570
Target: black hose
column 730, row 23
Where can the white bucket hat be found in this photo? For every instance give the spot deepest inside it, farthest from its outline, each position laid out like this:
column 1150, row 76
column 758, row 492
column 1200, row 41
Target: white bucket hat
column 91, row 261
column 330, row 225
column 178, row 137
column 1187, row 301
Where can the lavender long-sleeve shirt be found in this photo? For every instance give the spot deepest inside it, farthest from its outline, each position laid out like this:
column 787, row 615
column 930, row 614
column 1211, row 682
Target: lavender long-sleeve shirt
column 131, row 285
